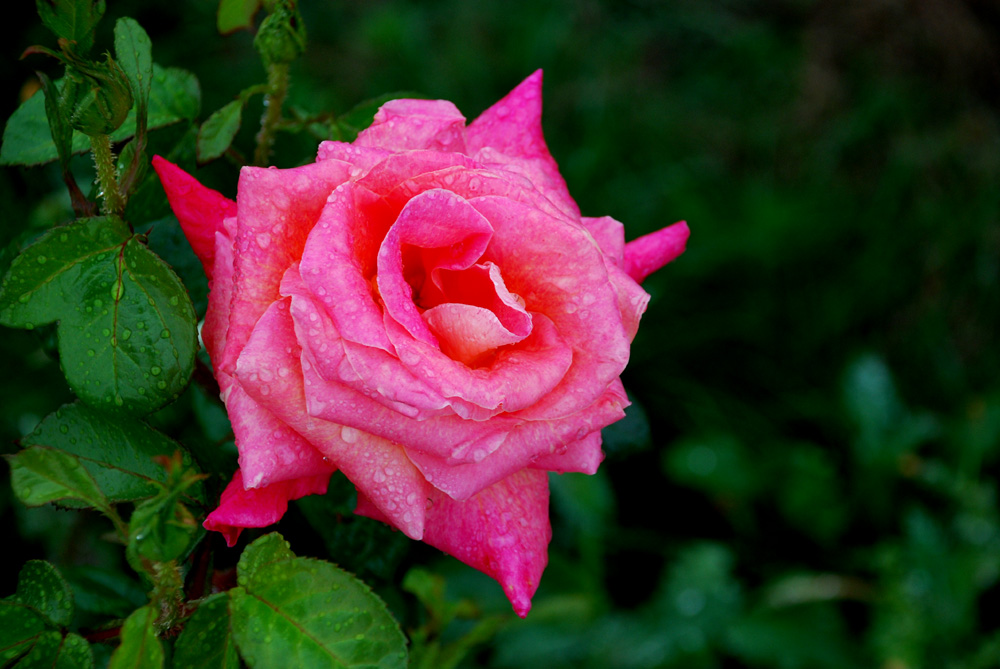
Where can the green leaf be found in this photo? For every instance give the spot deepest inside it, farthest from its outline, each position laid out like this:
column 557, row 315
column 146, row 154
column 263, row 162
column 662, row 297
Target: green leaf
column 40, row 475
column 217, row 132
column 162, row 528
column 206, row 642
column 127, row 332
column 174, row 96
column 117, row 451
column 73, row 20
column 140, row 648
column 236, row 15
column 59, row 128
column 133, row 52
column 20, row 628
column 55, row 651
column 301, row 612
column 43, row 590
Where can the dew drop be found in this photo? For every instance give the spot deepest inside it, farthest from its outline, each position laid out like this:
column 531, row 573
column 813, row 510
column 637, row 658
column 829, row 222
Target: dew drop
column 155, row 371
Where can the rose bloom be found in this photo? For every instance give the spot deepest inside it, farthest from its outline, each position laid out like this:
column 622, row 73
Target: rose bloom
column 425, row 310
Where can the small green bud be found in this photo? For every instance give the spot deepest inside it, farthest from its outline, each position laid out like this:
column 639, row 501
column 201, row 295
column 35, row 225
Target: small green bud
column 281, row 37
column 98, row 96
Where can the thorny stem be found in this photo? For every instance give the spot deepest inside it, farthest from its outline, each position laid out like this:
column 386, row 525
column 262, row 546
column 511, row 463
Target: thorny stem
column 107, row 175
column 277, row 89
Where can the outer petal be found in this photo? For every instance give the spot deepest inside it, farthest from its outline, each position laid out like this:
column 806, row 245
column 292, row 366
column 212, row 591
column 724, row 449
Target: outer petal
column 609, row 235
column 648, row 253
column 503, row 531
column 259, row 507
column 513, row 127
column 276, row 211
column 270, row 451
column 404, row 125
column 200, row 210
column 374, row 465
column 524, row 446
column 581, row 456
column 220, row 294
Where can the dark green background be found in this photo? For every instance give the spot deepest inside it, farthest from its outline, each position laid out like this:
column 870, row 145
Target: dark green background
column 808, row 478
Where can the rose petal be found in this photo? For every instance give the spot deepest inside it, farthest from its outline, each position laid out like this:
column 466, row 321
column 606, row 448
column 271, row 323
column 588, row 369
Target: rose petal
column 220, row 294
column 339, row 261
column 519, row 376
column 375, row 465
column 360, row 158
column 503, row 532
column 276, row 211
column 435, row 230
column 513, row 126
column 648, row 253
column 524, row 445
column 199, row 210
column 403, row 125
column 609, row 235
column 270, row 451
column 370, row 371
column 259, row 507
column 555, row 267
column 581, row 456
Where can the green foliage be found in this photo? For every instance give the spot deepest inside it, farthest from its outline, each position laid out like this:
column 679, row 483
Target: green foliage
column 72, row 20
column 120, row 453
column 55, row 651
column 40, row 475
column 33, row 619
column 174, row 96
column 43, row 590
column 126, row 331
column 218, row 131
column 140, row 648
column 207, row 640
column 236, row 15
column 305, row 612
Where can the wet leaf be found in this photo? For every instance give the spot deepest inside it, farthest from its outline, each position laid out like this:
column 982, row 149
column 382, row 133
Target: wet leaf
column 140, row 647
column 55, row 651
column 20, row 628
column 127, row 334
column 40, row 475
column 290, row 611
column 117, row 451
column 206, row 642
column 43, row 590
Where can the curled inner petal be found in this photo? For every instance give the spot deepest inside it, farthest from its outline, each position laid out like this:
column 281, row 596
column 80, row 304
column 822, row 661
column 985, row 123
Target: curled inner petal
column 473, row 313
column 436, row 229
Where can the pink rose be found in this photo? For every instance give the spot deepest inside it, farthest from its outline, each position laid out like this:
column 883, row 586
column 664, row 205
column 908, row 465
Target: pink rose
column 426, row 311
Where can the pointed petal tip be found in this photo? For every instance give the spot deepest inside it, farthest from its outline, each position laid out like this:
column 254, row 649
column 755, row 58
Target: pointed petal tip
column 199, row 210
column 648, row 253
